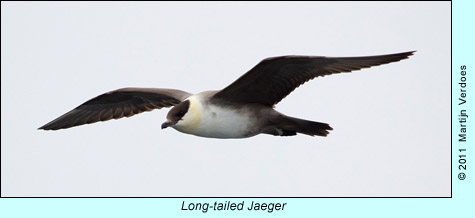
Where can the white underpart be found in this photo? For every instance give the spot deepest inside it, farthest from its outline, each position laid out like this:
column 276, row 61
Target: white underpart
column 213, row 121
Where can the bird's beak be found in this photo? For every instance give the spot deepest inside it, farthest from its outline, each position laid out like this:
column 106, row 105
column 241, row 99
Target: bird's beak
column 166, row 124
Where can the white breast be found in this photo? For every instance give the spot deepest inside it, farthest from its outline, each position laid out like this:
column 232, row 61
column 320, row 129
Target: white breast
column 213, row 121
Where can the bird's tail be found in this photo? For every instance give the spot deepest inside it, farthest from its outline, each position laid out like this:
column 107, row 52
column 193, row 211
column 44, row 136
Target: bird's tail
column 291, row 126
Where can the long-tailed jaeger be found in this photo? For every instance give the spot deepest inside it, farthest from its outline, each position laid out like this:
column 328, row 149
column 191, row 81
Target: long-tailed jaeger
column 242, row 109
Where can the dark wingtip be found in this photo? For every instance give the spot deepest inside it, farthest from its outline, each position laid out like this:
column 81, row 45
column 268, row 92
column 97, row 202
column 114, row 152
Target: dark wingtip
column 407, row 54
column 45, row 127
column 411, row 52
column 51, row 126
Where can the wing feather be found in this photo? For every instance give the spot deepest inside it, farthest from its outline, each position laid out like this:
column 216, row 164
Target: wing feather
column 116, row 104
column 274, row 78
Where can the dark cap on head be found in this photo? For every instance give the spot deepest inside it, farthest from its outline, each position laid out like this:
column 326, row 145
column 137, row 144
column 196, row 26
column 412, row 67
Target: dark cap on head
column 176, row 114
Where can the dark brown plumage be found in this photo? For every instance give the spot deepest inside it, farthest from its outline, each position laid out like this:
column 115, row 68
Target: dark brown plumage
column 274, row 78
column 117, row 104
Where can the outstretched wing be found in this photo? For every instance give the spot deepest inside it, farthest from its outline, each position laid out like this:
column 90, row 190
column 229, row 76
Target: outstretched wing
column 116, row 104
column 274, row 78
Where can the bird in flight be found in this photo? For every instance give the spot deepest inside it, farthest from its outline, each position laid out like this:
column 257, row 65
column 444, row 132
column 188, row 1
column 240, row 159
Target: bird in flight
column 244, row 108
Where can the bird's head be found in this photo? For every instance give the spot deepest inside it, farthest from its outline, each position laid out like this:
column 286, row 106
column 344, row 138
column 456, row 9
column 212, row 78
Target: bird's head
column 184, row 117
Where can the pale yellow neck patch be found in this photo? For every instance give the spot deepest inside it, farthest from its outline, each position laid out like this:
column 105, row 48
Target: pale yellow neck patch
column 192, row 119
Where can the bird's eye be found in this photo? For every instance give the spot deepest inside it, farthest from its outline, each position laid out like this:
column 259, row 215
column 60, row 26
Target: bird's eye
column 181, row 114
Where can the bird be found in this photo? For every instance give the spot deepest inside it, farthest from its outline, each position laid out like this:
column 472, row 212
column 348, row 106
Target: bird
column 243, row 109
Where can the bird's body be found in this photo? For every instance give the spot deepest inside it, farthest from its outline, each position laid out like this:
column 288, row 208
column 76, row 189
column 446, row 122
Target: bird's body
column 217, row 121
column 243, row 109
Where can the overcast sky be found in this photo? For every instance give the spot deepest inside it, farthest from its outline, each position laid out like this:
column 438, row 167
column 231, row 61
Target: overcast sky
column 391, row 123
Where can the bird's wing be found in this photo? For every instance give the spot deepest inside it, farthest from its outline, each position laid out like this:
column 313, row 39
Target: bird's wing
column 116, row 104
column 274, row 78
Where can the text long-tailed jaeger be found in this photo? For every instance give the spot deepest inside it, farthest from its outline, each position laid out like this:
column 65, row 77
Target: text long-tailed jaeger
column 242, row 109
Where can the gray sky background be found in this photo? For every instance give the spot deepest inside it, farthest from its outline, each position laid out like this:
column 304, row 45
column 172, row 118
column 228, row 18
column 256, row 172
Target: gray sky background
column 391, row 123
